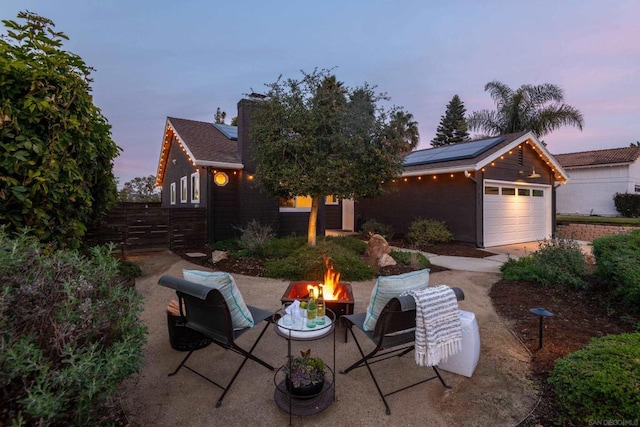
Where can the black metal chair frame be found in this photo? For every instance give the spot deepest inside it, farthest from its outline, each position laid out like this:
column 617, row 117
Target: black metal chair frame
column 394, row 335
column 208, row 313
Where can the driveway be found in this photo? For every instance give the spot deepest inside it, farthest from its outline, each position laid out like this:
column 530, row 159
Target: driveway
column 499, row 392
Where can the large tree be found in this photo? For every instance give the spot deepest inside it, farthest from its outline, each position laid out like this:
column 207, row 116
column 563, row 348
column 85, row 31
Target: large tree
column 316, row 137
column 140, row 189
column 453, row 125
column 56, row 156
column 539, row 109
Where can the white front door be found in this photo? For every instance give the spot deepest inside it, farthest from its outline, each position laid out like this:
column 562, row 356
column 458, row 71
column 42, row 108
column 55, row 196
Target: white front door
column 515, row 212
column 348, row 222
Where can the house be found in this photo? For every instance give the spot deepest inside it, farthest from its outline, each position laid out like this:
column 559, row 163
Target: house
column 489, row 192
column 210, row 166
column 595, row 177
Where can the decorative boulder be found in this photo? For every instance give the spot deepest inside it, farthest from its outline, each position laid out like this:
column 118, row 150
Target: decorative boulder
column 376, row 248
column 386, row 260
column 218, row 256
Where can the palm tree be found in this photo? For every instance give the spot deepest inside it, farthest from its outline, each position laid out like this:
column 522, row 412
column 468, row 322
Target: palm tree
column 539, row 109
column 403, row 127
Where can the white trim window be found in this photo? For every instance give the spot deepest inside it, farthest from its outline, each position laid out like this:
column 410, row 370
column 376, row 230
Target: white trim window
column 303, row 203
column 195, row 187
column 172, row 192
column 183, row 190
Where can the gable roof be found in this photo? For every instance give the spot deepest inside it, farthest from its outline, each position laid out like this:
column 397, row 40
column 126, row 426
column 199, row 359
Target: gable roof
column 205, row 144
column 474, row 155
column 612, row 156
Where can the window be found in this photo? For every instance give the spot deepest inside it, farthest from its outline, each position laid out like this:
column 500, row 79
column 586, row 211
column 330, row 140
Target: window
column 524, row 192
column 173, row 193
column 637, row 188
column 507, row 191
column 538, row 193
column 195, row 187
column 331, row 200
column 183, row 189
column 492, row 190
column 303, row 203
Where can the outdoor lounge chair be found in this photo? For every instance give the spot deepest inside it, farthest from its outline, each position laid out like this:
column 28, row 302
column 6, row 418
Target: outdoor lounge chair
column 394, row 334
column 207, row 312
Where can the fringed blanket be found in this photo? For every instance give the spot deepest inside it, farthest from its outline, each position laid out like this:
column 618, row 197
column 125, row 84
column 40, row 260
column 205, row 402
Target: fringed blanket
column 438, row 326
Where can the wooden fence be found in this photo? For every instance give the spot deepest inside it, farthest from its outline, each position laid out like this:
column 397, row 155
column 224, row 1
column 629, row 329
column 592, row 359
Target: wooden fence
column 149, row 226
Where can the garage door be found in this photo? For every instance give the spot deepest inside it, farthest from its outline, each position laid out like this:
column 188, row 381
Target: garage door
column 515, row 213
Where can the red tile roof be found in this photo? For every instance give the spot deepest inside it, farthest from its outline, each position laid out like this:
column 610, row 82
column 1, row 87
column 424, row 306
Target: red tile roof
column 599, row 157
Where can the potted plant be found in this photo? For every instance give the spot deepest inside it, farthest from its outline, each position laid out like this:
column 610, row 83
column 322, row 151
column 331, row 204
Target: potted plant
column 305, row 375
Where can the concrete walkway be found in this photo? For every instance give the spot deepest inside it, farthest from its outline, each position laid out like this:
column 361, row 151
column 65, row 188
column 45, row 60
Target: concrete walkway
column 490, row 264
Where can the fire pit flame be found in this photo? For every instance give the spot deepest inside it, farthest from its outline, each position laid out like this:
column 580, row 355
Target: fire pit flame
column 331, row 279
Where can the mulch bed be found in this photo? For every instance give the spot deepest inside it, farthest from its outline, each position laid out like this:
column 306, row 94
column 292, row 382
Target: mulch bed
column 577, row 317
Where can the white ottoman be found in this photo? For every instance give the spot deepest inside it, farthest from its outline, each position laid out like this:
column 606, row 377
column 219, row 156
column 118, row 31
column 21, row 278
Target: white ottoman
column 464, row 362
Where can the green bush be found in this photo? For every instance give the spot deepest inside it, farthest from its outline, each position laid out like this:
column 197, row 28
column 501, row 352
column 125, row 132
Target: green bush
column 282, row 247
column 618, row 264
column 129, row 269
column 412, row 259
column 601, row 381
column 558, row 262
column 255, row 237
column 371, row 227
column 356, row 245
column 628, row 204
column 70, row 333
column 423, row 232
column 307, row 263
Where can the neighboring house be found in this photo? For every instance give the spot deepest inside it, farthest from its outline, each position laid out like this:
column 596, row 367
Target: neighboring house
column 210, row 166
column 595, row 177
column 489, row 192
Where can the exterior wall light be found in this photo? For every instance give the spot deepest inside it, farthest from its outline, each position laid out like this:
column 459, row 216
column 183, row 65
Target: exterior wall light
column 221, row 179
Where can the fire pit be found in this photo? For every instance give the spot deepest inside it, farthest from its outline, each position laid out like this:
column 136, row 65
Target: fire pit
column 337, row 296
column 341, row 305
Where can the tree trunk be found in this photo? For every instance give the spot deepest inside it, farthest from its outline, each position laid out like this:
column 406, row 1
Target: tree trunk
column 313, row 219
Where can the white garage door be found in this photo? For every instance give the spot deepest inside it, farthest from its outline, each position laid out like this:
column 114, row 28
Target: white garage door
column 515, row 213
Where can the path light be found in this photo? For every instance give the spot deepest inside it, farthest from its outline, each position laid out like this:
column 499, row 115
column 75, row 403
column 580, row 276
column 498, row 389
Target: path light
column 541, row 313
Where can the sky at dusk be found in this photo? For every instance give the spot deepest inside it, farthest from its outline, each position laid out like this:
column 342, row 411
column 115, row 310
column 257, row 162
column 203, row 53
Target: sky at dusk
column 154, row 59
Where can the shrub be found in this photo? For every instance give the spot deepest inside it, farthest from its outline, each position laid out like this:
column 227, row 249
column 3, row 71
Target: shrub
column 255, row 237
column 618, row 263
column 628, row 204
column 423, row 232
column 413, row 259
column 129, row 269
column 283, row 247
column 356, row 245
column 601, row 381
column 307, row 263
column 556, row 262
column 371, row 227
column 70, row 333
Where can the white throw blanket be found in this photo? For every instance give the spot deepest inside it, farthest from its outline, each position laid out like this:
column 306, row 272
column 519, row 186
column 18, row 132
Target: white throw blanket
column 438, row 326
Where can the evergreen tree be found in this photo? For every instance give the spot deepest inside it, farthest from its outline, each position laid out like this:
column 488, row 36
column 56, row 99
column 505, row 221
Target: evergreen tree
column 453, row 126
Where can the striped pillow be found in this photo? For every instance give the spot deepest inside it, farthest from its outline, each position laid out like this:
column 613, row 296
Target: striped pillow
column 388, row 287
column 240, row 315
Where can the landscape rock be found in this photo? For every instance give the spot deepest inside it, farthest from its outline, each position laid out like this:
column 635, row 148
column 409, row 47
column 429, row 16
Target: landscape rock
column 376, row 248
column 386, row 260
column 218, row 256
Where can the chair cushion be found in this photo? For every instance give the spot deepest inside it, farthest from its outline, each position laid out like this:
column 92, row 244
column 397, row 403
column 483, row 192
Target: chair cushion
column 240, row 315
column 388, row 287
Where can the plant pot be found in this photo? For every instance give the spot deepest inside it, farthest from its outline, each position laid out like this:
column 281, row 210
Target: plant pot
column 304, row 391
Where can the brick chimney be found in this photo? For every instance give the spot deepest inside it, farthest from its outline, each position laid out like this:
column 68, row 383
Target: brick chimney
column 246, row 107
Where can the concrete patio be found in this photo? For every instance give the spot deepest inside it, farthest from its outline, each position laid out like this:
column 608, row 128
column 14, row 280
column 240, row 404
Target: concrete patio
column 499, row 392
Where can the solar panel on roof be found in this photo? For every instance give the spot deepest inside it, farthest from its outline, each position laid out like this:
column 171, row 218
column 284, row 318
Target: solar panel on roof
column 229, row 131
column 466, row 150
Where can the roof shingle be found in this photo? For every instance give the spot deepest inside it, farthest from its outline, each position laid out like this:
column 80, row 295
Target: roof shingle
column 599, row 157
column 205, row 141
